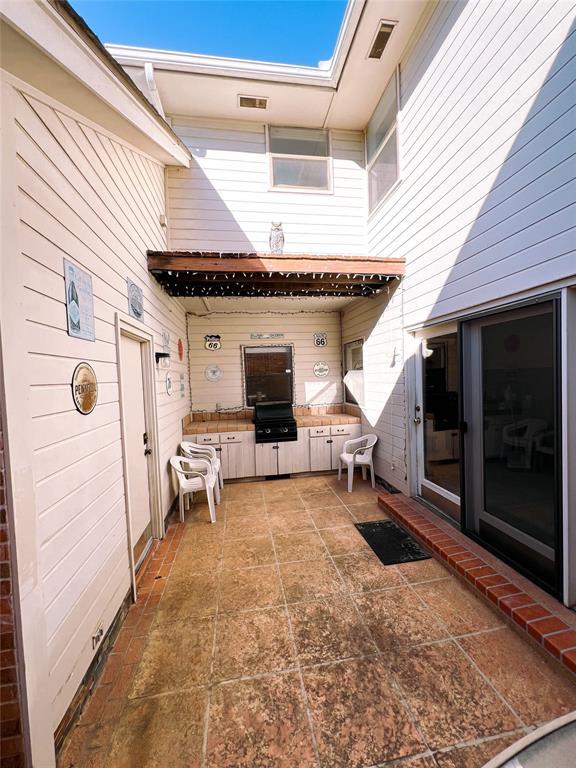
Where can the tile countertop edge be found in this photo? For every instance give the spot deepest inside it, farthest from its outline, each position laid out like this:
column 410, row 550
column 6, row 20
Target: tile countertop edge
column 245, row 425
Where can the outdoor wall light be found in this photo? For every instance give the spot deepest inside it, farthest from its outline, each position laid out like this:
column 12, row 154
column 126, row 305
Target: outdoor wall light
column 161, row 356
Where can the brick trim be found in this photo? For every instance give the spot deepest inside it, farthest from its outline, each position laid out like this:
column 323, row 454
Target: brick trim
column 528, row 613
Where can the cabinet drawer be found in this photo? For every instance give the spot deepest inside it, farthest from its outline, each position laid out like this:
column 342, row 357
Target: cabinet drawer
column 233, row 437
column 343, row 429
column 319, row 431
column 211, row 439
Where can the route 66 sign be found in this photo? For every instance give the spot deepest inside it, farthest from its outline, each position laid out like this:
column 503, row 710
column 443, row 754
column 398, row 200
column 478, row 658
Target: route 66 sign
column 212, row 342
column 320, row 339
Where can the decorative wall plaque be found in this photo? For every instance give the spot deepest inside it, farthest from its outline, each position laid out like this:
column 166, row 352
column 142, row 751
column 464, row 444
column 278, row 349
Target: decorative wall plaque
column 84, row 388
column 321, row 369
column 321, row 339
column 213, row 373
column 180, row 349
column 135, row 300
column 79, row 302
column 212, row 342
column 169, row 383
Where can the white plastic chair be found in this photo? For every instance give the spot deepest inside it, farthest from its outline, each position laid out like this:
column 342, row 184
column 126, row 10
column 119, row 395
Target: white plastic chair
column 195, row 450
column 358, row 457
column 520, row 436
column 194, row 475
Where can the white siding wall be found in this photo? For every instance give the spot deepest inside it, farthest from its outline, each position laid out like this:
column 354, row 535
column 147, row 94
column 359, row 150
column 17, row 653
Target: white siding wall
column 485, row 208
column 95, row 201
column 379, row 322
column 235, row 330
column 223, row 201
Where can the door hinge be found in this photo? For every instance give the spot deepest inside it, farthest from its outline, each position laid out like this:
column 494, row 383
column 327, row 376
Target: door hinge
column 145, row 437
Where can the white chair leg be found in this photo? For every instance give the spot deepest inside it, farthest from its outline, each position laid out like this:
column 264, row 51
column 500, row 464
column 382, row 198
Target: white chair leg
column 363, row 471
column 217, row 491
column 211, row 507
column 339, row 469
column 221, row 477
column 372, row 475
column 350, row 476
column 181, row 505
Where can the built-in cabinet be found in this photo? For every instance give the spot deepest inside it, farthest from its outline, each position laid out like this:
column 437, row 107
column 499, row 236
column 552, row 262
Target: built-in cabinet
column 316, row 450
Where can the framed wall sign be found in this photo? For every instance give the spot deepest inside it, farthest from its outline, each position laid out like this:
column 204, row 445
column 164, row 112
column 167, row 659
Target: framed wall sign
column 135, row 300
column 321, row 369
column 84, row 388
column 79, row 302
column 321, row 339
column 212, row 341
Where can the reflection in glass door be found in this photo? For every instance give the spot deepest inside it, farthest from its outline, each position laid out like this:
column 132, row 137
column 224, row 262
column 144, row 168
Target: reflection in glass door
column 511, row 408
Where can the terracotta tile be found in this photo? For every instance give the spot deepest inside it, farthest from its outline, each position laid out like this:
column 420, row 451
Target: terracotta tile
column 417, row 762
column 192, row 595
column 528, row 613
column 363, row 572
column 176, row 656
column 324, row 499
column 563, row 641
column 341, row 541
column 284, row 495
column 515, row 601
column 294, row 522
column 259, row 723
column 496, row 592
column 298, row 546
column 245, row 508
column 246, row 528
column 331, row 517
column 246, row 553
column 328, row 630
column 539, row 629
column 457, row 607
column 244, row 492
column 361, row 493
column 423, row 570
column 358, row 723
column 451, row 701
column 250, row 588
column 475, row 756
column 397, row 618
column 367, row 512
column 284, row 504
column 310, row 485
column 310, row 579
column 537, row 689
column 189, row 561
column 252, row 642
column 156, row 731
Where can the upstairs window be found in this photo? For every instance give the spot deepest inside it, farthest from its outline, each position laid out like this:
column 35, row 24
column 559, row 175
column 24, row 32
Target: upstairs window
column 354, row 372
column 382, row 145
column 299, row 158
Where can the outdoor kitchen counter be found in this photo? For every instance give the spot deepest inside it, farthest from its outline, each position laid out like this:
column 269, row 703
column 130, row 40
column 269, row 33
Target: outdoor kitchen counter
column 245, row 425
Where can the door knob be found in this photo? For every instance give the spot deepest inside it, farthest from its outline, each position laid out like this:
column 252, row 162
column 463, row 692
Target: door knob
column 417, row 420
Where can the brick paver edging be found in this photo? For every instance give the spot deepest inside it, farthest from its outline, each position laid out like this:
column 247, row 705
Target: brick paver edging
column 553, row 634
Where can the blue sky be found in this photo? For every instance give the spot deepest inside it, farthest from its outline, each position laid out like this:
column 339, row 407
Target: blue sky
column 288, row 31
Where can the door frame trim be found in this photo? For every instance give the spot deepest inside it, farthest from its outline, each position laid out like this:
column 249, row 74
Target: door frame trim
column 125, row 327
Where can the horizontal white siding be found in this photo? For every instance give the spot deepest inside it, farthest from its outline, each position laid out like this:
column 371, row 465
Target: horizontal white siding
column 379, row 322
column 91, row 199
column 486, row 204
column 235, row 329
column 223, row 202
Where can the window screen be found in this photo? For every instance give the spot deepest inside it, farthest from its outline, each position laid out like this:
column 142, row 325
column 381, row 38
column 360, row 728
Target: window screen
column 268, row 374
column 298, row 141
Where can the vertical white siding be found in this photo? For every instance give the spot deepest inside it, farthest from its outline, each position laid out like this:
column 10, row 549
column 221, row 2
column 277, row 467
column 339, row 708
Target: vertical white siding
column 223, row 202
column 379, row 322
column 95, row 201
column 235, row 330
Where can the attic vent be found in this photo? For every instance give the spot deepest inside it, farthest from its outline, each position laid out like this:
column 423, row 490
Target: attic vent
column 253, row 102
column 380, row 41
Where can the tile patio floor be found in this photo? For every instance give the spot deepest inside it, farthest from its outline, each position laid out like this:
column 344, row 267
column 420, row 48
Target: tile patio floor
column 276, row 638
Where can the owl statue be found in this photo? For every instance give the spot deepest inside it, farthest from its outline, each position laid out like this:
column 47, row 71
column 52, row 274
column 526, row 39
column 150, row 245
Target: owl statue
column 276, row 238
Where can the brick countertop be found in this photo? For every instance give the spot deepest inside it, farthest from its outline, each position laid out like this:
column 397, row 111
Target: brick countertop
column 245, row 425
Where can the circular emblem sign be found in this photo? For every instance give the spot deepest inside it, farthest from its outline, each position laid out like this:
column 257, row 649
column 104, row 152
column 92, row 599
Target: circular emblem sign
column 84, row 388
column 321, row 369
column 213, row 373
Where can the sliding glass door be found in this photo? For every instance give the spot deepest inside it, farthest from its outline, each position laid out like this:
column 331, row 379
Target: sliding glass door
column 510, row 401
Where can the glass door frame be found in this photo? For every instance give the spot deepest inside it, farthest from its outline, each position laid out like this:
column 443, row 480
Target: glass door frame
column 422, row 335
column 472, row 470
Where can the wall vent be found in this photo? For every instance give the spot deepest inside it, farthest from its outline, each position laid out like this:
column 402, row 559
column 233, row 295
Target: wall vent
column 381, row 40
column 253, row 102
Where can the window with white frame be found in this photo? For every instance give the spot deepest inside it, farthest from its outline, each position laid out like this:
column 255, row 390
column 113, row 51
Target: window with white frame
column 353, row 359
column 299, row 158
column 382, row 144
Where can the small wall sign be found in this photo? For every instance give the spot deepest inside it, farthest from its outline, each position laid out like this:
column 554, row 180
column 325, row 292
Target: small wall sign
column 84, row 388
column 266, row 335
column 135, row 300
column 180, row 349
column 213, row 373
column 321, row 339
column 321, row 369
column 169, row 388
column 79, row 302
column 212, row 342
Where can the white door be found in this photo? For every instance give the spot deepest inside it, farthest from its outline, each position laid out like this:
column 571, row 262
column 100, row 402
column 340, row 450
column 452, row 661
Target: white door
column 136, row 445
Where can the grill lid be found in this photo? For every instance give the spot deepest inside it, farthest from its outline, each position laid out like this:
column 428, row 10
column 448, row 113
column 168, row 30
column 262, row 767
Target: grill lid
column 280, row 410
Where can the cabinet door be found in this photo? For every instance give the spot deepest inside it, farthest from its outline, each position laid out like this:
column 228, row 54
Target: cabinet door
column 337, row 448
column 266, row 459
column 294, row 456
column 339, row 435
column 320, row 455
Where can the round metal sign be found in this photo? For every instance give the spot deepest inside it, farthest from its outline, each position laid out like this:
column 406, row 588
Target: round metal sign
column 84, row 388
column 169, row 388
column 321, row 369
